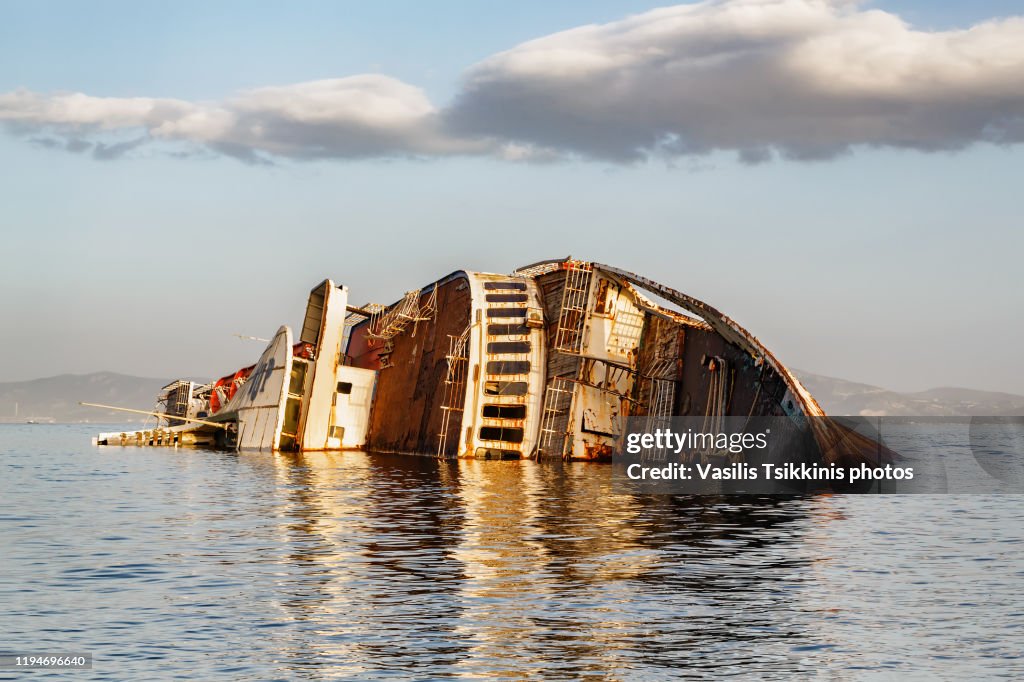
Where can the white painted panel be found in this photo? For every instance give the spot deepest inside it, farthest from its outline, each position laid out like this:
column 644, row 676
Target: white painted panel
column 320, row 400
column 258, row 404
column 352, row 410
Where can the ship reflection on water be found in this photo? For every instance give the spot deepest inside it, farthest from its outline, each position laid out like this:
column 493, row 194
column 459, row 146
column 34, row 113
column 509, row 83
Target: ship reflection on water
column 507, row 567
column 168, row 563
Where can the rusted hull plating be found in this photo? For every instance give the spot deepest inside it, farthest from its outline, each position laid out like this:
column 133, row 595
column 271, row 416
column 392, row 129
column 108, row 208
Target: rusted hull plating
column 546, row 362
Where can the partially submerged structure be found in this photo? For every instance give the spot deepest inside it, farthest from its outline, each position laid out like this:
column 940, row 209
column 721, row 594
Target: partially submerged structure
column 545, row 362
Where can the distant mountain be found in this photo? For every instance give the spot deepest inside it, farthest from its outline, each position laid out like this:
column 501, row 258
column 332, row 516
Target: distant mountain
column 56, row 398
column 840, row 397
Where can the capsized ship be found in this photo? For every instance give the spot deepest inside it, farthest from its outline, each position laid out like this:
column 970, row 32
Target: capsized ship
column 545, row 362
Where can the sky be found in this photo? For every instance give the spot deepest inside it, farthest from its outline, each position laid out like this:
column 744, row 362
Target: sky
column 842, row 178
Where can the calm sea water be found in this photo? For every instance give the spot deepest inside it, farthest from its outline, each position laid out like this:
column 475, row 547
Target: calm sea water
column 192, row 564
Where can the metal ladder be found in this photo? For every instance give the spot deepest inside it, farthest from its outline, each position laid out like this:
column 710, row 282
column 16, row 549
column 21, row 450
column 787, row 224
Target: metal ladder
column 393, row 321
column 663, row 394
column 573, row 312
column 454, row 386
column 555, row 417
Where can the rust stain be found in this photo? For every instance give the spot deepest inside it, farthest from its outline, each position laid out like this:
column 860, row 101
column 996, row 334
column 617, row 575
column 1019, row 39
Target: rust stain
column 601, row 301
column 597, row 451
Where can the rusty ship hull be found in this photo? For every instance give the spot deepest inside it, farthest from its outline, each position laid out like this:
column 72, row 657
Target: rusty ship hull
column 547, row 362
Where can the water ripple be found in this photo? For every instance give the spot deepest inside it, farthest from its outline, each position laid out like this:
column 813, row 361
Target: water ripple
column 168, row 564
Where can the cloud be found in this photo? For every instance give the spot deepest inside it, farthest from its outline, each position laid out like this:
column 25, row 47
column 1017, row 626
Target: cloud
column 805, row 79
column 76, row 111
column 104, row 151
column 355, row 117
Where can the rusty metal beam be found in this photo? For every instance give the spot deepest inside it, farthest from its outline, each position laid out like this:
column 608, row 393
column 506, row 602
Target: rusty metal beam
column 729, row 329
column 219, row 425
column 718, row 321
column 358, row 311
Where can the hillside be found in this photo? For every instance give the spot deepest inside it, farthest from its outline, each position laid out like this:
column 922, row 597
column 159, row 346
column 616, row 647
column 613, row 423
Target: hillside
column 56, row 398
column 840, row 397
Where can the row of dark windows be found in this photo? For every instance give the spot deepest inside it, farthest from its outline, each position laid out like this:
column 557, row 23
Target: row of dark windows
column 515, row 286
column 508, row 367
column 507, row 329
column 502, row 433
column 504, row 347
column 505, row 388
column 506, row 298
column 506, row 312
column 505, row 411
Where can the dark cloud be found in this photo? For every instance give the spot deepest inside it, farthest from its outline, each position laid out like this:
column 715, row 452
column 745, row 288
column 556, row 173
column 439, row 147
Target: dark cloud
column 47, row 142
column 72, row 144
column 109, row 151
column 76, row 145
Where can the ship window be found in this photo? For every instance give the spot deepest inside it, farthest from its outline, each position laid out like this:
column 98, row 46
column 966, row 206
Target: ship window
column 501, row 433
column 291, row 416
column 508, row 367
column 505, row 388
column 515, row 286
column 506, row 298
column 504, row 411
column 508, row 347
column 506, row 312
column 507, row 329
column 298, row 377
column 344, row 387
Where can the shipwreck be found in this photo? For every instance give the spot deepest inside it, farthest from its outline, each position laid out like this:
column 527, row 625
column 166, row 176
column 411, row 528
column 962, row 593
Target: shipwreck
column 544, row 362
